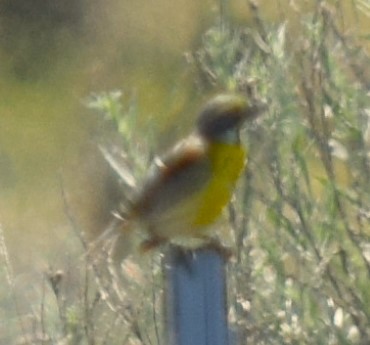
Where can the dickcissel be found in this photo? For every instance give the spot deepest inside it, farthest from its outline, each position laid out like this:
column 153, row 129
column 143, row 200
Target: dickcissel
column 187, row 189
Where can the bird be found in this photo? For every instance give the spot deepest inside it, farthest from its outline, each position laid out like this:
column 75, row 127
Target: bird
column 187, row 189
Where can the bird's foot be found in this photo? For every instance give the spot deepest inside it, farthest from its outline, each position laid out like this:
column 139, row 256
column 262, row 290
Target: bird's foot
column 215, row 245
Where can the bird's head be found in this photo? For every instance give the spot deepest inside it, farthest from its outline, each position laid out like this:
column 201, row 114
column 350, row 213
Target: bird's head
column 222, row 116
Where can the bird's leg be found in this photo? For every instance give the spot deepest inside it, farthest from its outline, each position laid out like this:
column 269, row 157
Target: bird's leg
column 214, row 244
column 151, row 243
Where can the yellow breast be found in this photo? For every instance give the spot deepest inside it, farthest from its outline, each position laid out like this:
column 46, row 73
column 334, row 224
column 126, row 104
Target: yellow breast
column 227, row 163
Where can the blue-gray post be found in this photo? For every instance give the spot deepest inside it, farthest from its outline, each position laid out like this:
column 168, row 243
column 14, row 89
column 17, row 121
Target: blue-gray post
column 196, row 303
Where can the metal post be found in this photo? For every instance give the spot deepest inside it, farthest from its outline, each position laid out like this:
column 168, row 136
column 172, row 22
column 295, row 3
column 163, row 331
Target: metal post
column 196, row 297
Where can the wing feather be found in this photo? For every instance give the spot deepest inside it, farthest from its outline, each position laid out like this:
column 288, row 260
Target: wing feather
column 175, row 177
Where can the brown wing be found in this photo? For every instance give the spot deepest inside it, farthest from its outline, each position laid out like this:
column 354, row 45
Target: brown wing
column 176, row 176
